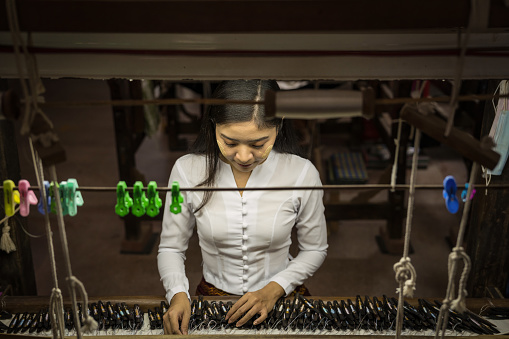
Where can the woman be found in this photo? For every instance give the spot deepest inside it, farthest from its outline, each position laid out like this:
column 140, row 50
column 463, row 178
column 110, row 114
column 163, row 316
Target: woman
column 244, row 236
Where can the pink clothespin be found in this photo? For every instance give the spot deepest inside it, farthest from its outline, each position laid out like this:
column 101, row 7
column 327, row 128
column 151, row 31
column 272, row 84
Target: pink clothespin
column 26, row 197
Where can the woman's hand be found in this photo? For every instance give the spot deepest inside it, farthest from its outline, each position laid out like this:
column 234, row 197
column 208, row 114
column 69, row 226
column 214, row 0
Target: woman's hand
column 176, row 320
column 259, row 302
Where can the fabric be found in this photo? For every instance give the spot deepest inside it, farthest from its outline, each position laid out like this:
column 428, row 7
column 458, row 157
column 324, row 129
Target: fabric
column 206, row 289
column 245, row 240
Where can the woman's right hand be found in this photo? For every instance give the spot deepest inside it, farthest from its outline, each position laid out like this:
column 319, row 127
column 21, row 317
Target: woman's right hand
column 176, row 320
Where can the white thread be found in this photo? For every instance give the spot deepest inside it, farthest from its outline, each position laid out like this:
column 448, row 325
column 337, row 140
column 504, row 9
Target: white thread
column 6, row 243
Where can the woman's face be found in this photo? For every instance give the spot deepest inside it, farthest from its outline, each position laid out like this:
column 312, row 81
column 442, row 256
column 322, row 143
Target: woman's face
column 243, row 145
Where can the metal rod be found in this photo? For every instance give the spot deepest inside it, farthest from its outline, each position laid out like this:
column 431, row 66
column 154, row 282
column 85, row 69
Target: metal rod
column 287, row 188
column 211, row 101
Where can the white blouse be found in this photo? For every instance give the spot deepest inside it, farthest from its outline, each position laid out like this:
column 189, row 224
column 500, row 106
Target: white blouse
column 245, row 240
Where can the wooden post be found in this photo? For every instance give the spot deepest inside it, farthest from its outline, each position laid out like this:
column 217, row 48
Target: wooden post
column 487, row 241
column 129, row 126
column 16, row 268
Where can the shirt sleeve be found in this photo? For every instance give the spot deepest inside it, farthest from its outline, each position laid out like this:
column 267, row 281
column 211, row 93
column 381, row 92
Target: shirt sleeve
column 177, row 229
column 311, row 234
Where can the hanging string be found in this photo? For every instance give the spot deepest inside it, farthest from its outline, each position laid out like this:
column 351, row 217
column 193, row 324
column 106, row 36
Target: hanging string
column 35, row 88
column 56, row 302
column 456, row 86
column 71, row 280
column 396, row 156
column 457, row 254
column 405, row 272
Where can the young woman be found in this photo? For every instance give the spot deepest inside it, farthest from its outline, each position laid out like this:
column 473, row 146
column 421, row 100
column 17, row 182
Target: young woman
column 244, row 236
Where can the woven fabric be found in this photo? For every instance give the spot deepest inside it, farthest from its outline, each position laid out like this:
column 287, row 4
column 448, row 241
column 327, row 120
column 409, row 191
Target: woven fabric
column 206, row 289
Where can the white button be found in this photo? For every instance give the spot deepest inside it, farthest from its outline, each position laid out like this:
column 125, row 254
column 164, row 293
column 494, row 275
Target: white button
column 246, row 267
column 244, row 289
column 243, row 200
column 244, row 248
column 244, row 211
column 245, row 237
column 244, row 258
column 244, row 225
column 244, row 277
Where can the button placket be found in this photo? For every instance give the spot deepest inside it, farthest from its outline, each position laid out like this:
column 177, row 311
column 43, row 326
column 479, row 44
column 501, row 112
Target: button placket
column 244, row 246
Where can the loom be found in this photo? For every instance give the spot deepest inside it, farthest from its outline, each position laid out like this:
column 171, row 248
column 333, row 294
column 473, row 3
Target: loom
column 189, row 56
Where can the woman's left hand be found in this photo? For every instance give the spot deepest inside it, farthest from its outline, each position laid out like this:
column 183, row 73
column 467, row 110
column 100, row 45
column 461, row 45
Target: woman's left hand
column 259, row 302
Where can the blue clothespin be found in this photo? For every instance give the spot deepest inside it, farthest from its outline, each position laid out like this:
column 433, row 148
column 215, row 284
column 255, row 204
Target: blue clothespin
column 449, row 193
column 74, row 197
column 40, row 206
column 140, row 201
column 154, row 202
column 464, row 193
column 176, row 198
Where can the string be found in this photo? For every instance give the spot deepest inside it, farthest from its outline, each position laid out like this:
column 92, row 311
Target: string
column 405, row 272
column 457, row 254
column 56, row 302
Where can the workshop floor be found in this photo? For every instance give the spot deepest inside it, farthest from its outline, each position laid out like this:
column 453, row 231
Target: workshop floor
column 354, row 264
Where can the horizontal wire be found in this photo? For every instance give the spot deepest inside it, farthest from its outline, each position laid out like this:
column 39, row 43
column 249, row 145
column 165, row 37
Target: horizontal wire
column 212, row 101
column 284, row 188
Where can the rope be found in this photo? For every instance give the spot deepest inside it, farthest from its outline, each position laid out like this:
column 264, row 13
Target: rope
column 89, row 323
column 396, row 156
column 6, row 243
column 456, row 255
column 35, row 87
column 405, row 272
column 56, row 312
column 65, row 249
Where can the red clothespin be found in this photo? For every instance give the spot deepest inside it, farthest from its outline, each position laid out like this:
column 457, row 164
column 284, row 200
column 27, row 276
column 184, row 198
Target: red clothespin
column 26, row 197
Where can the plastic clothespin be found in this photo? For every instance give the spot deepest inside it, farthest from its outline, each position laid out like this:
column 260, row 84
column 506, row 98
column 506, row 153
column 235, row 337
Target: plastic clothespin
column 176, row 198
column 464, row 193
column 40, row 206
column 140, row 201
column 53, row 205
column 11, row 198
column 74, row 197
column 449, row 193
column 64, row 197
column 154, row 202
column 26, row 197
column 124, row 201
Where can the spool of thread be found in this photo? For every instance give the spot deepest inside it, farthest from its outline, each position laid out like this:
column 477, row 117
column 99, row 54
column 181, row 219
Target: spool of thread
column 320, row 104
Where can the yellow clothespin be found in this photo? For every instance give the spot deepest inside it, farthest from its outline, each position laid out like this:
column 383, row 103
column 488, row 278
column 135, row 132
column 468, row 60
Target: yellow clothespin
column 11, row 198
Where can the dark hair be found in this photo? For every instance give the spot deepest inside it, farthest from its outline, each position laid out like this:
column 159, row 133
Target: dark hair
column 206, row 144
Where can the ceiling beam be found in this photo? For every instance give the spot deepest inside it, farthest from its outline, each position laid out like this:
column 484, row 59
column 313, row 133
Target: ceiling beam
column 248, row 16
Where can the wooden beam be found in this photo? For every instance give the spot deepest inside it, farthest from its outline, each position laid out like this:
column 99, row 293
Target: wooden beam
column 223, row 16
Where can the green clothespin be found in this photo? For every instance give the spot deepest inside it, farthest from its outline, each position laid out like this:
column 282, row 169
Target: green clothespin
column 53, row 207
column 140, row 201
column 64, row 197
column 74, row 197
column 11, row 198
column 176, row 198
column 154, row 202
column 124, row 201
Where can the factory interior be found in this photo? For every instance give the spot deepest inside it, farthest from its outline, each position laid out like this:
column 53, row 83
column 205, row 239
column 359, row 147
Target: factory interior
column 449, row 66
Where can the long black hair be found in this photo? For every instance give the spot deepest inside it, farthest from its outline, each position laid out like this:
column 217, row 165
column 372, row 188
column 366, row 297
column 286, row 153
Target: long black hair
column 206, row 144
